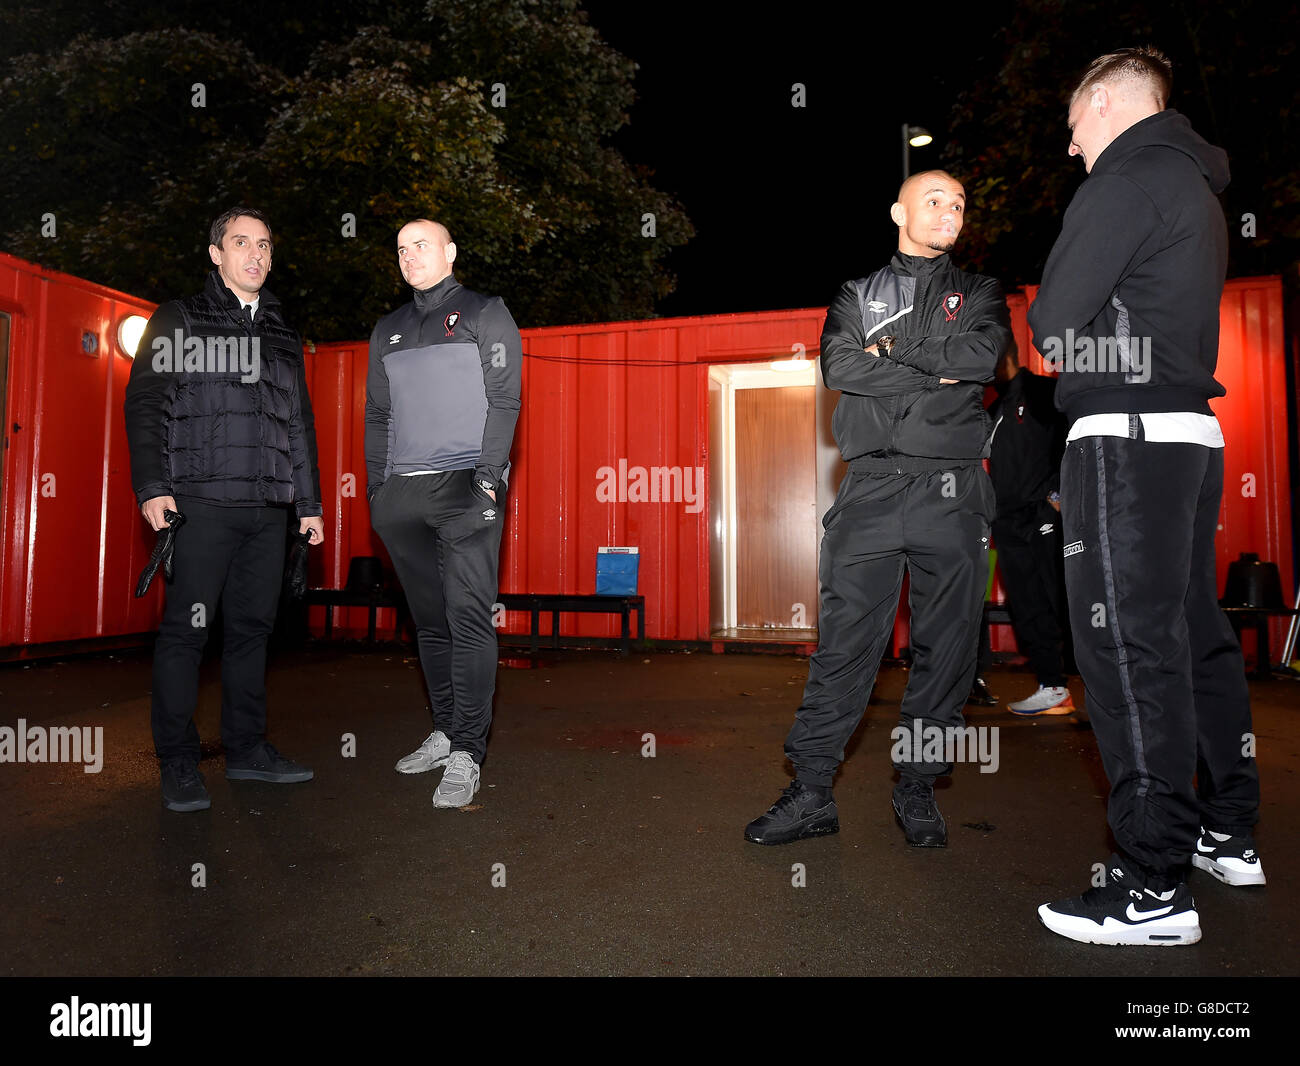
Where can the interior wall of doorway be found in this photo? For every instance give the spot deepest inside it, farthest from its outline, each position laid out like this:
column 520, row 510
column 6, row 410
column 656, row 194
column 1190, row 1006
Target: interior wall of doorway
column 769, row 471
column 5, row 333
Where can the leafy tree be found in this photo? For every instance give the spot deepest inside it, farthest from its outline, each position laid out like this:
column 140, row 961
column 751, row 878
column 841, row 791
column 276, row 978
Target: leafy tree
column 492, row 116
column 1233, row 77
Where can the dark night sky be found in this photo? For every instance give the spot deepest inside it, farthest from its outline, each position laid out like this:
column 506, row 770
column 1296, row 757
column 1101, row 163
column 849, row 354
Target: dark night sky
column 787, row 203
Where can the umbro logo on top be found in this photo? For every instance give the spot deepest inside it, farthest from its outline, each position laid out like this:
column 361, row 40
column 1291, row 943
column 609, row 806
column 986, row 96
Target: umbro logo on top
column 489, row 514
column 876, row 307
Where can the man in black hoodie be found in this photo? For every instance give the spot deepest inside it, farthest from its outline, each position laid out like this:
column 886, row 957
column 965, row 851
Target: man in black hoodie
column 1129, row 313
column 909, row 348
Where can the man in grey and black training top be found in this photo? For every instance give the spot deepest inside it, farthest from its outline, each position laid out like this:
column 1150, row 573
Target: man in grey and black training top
column 442, row 400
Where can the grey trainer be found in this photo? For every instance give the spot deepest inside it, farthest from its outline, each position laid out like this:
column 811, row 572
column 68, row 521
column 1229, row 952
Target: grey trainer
column 459, row 781
column 432, row 753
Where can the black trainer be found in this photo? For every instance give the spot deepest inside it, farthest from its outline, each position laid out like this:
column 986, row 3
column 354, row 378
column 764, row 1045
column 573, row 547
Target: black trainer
column 1125, row 911
column 800, row 812
column 264, row 763
column 1232, row 859
column 980, row 696
column 182, row 786
column 915, row 809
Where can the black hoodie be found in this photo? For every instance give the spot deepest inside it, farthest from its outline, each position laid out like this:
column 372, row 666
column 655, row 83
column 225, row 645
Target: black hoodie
column 1133, row 283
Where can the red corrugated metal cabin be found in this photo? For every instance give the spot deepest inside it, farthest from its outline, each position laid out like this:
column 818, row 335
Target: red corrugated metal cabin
column 674, row 435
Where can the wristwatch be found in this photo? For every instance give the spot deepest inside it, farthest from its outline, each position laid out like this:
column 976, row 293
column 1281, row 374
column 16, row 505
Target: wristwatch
column 885, row 344
column 1054, row 496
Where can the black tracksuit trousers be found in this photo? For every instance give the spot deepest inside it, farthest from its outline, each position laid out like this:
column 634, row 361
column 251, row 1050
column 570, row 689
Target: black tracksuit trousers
column 232, row 556
column 1030, row 560
column 444, row 535
column 936, row 524
column 1165, row 680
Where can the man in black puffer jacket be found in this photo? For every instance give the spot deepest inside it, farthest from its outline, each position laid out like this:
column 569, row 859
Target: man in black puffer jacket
column 220, row 429
column 909, row 348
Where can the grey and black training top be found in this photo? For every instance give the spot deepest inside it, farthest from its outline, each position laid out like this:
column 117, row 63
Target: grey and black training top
column 442, row 391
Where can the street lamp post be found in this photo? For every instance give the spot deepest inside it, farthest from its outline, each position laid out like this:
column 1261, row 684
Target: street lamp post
column 913, row 137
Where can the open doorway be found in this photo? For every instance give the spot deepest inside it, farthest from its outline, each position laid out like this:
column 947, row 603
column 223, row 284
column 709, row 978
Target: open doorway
column 766, row 500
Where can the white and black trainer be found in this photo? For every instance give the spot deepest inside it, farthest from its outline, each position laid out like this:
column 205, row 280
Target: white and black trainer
column 1232, row 859
column 433, row 753
column 1125, row 912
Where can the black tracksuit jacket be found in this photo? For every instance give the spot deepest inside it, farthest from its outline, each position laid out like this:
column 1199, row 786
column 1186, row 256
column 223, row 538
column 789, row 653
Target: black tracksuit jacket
column 894, row 415
column 1025, row 453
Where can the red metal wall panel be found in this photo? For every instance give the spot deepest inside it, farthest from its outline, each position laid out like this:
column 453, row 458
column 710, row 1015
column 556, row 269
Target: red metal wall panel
column 73, row 539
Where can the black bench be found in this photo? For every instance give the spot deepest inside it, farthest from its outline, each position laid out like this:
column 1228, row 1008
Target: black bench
column 366, row 587
column 996, row 614
column 535, row 603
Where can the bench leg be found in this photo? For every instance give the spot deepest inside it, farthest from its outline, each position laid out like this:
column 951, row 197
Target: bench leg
column 625, row 649
column 532, row 635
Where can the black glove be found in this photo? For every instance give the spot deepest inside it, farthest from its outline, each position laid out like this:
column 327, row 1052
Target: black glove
column 295, row 575
column 163, row 549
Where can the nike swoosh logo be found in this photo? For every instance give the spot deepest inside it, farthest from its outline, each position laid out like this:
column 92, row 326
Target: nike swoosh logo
column 1135, row 915
column 1205, row 851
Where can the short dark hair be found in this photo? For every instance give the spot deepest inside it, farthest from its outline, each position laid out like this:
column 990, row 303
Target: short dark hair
column 1140, row 64
column 217, row 233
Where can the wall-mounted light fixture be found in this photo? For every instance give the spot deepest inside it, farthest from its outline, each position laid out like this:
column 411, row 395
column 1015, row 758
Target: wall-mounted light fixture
column 129, row 332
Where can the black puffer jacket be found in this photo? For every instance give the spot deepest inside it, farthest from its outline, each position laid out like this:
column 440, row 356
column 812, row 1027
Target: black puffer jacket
column 217, row 407
column 894, row 414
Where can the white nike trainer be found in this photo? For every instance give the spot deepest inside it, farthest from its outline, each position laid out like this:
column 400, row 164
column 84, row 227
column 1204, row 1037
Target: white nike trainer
column 1232, row 859
column 1124, row 912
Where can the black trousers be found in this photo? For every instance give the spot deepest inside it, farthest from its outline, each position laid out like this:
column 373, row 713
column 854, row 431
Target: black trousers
column 233, row 556
column 936, row 524
column 1165, row 680
column 1029, row 555
column 444, row 535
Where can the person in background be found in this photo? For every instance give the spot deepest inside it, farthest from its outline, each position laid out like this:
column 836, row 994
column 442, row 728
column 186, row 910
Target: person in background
column 1025, row 464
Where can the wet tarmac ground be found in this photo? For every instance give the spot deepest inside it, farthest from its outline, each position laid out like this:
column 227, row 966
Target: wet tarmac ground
column 581, row 855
